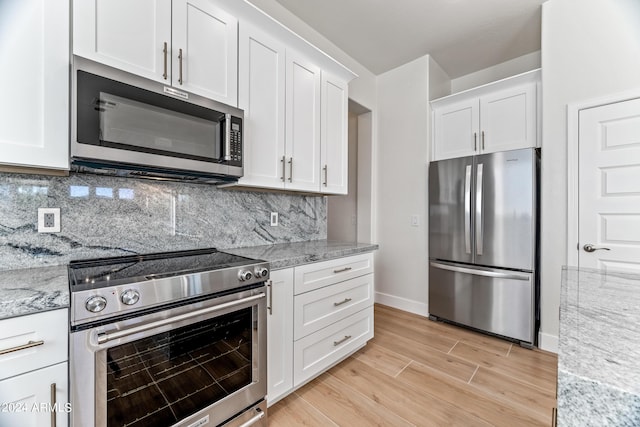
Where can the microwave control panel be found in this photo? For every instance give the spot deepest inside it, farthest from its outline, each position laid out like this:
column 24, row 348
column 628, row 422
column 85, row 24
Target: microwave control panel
column 235, row 136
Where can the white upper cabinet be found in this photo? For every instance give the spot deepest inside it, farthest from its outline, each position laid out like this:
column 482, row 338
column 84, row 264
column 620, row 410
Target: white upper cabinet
column 34, row 65
column 334, row 137
column 496, row 117
column 261, row 89
column 189, row 44
column 302, row 148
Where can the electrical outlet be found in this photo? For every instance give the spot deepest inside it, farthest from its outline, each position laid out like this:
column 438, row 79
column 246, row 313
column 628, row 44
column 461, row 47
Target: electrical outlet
column 274, row 219
column 48, row 220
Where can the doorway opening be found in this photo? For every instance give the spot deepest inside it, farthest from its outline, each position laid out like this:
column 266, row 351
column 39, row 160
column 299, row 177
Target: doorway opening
column 349, row 217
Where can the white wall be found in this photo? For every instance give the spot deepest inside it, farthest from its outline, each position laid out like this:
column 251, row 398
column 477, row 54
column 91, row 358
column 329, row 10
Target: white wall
column 590, row 48
column 403, row 134
column 439, row 81
column 515, row 66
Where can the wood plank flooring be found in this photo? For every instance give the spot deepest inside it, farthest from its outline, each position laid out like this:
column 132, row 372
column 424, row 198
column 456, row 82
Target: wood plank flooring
column 416, row 372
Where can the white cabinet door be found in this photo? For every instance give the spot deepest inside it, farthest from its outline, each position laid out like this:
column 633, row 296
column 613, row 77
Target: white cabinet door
column 29, row 398
column 302, row 124
column 205, row 50
column 34, row 67
column 128, row 35
column 261, row 94
column 280, row 335
column 334, row 137
column 508, row 119
column 456, row 129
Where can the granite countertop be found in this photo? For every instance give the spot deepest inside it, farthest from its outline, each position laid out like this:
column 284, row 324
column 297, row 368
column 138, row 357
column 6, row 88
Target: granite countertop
column 32, row 290
column 599, row 349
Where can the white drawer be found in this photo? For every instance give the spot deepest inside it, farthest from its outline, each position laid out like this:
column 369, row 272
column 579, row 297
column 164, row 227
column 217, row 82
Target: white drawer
column 45, row 336
column 316, row 309
column 313, row 276
column 316, row 352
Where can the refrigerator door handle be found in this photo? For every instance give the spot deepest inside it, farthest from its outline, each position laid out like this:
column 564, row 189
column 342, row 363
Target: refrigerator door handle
column 479, row 226
column 467, row 210
column 485, row 273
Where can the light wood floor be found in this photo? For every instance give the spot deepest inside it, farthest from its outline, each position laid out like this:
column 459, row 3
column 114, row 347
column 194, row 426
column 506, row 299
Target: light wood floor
column 424, row 373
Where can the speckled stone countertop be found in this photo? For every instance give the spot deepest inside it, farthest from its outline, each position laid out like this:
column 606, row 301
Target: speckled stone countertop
column 32, row 290
column 599, row 349
column 285, row 255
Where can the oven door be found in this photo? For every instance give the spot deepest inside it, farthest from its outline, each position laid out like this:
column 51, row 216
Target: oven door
column 193, row 365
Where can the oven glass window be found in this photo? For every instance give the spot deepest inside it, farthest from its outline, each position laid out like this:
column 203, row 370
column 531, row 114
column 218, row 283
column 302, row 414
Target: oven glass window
column 159, row 380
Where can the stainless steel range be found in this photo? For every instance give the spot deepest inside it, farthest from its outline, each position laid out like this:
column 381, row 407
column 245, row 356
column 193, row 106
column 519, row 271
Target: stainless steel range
column 168, row 339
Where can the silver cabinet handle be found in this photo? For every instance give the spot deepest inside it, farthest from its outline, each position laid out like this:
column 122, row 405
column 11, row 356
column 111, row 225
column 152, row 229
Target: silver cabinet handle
column 467, row 210
column 180, row 66
column 482, row 145
column 283, row 168
column 337, row 343
column 342, row 270
column 485, row 273
column 290, row 169
column 53, row 405
column 479, row 226
column 164, row 51
column 30, row 344
column 270, row 289
column 104, row 337
column 591, row 248
column 325, row 175
column 338, row 304
column 475, row 141
column 253, row 419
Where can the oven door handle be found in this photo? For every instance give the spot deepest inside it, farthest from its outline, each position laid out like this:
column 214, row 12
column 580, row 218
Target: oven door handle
column 104, row 337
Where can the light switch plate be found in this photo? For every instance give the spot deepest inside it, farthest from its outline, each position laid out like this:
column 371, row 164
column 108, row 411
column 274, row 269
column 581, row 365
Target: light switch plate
column 415, row 221
column 48, row 220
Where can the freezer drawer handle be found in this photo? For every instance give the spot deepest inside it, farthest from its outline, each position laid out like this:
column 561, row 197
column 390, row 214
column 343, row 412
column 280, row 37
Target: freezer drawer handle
column 511, row 275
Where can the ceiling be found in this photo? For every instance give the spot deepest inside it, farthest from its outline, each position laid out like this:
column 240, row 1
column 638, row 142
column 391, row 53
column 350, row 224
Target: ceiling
column 462, row 36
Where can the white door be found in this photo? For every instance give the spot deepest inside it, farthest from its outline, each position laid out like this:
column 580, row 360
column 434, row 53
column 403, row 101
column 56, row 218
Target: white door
column 456, row 129
column 34, row 69
column 261, row 89
column 205, row 50
column 133, row 36
column 334, row 141
column 302, row 124
column 609, row 187
column 280, row 335
column 508, row 119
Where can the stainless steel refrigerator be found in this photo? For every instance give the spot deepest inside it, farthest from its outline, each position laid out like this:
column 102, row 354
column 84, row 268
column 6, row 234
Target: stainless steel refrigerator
column 483, row 242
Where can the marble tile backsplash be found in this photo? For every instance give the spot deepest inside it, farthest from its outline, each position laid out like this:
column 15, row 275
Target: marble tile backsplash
column 107, row 216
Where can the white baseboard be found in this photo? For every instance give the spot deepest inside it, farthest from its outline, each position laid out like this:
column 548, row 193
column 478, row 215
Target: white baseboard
column 548, row 342
column 404, row 304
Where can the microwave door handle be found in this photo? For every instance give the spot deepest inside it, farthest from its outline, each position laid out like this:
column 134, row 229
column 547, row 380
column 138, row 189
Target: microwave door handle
column 227, row 138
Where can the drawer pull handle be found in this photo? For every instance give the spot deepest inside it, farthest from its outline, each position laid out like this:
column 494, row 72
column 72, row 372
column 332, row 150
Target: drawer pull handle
column 342, row 270
column 346, row 300
column 53, row 405
column 21, row 347
column 337, row 343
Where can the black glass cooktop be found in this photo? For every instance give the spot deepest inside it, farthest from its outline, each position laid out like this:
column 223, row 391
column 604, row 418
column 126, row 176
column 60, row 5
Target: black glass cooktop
column 114, row 271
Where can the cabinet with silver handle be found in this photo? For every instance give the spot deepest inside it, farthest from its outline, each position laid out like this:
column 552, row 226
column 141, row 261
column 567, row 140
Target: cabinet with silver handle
column 33, row 370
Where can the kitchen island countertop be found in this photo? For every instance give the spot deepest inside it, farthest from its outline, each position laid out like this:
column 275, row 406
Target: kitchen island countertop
column 599, row 349
column 33, row 290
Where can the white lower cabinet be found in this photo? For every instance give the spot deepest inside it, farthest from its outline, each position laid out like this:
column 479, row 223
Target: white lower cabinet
column 32, row 399
column 280, row 335
column 318, row 314
column 33, row 370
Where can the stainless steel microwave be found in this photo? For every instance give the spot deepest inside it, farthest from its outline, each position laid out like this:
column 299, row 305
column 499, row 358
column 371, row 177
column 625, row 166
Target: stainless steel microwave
column 123, row 124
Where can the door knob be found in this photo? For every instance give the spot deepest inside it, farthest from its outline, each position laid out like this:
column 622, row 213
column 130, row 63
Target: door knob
column 590, row 248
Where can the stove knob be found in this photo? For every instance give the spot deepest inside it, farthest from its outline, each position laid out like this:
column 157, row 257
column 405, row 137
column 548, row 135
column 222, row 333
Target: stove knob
column 95, row 304
column 262, row 272
column 130, row 297
column 244, row 275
